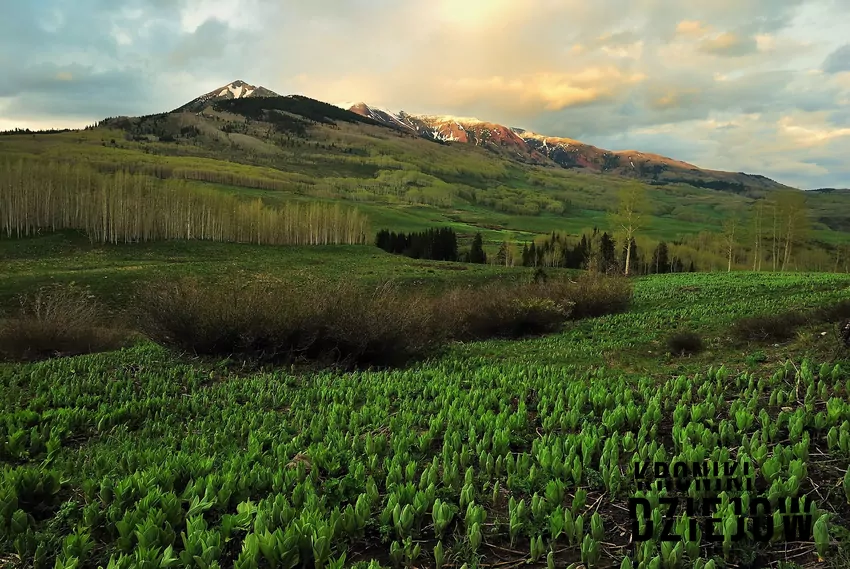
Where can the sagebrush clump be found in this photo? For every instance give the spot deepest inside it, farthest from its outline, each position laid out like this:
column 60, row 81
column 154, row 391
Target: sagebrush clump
column 58, row 321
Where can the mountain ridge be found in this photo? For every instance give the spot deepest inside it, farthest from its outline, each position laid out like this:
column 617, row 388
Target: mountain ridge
column 510, row 143
column 535, row 148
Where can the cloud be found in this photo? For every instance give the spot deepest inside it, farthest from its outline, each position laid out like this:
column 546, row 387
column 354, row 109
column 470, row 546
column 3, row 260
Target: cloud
column 692, row 28
column 209, row 40
column 729, row 44
column 838, row 60
column 549, row 91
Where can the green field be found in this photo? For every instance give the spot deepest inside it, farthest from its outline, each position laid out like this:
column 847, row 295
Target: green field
column 115, row 272
column 495, row 454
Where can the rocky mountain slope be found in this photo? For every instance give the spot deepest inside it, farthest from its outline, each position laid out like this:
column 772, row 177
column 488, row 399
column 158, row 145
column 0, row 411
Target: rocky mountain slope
column 534, row 148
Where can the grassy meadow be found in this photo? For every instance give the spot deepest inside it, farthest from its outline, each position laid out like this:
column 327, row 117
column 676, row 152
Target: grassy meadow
column 491, row 453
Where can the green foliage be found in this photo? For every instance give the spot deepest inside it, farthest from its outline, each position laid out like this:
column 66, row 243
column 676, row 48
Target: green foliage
column 145, row 458
column 411, row 182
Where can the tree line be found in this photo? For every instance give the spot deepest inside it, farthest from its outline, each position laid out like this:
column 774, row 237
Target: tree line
column 122, row 207
column 773, row 235
column 597, row 252
column 435, row 244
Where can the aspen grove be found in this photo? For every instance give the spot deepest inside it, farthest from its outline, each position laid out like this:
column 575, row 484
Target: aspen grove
column 123, row 207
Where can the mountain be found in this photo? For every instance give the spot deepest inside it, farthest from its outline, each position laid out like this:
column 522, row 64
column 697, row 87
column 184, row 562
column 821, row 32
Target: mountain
column 413, row 171
column 236, row 90
column 529, row 147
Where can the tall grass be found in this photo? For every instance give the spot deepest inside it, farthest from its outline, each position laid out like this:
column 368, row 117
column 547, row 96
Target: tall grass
column 340, row 324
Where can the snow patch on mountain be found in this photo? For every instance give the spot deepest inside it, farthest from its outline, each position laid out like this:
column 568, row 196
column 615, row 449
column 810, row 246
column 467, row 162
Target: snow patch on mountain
column 235, row 90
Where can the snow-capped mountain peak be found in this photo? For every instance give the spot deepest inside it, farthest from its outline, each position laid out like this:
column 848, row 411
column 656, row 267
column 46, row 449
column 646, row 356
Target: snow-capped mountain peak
column 236, row 90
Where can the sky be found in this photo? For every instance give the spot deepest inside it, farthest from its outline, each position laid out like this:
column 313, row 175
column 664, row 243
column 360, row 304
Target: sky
column 759, row 86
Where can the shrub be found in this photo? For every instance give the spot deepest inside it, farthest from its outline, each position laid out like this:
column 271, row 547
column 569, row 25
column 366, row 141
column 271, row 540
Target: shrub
column 684, row 343
column 592, row 294
column 505, row 310
column 832, row 313
column 783, row 326
column 274, row 322
column 498, row 310
column 58, row 321
column 772, row 327
column 351, row 325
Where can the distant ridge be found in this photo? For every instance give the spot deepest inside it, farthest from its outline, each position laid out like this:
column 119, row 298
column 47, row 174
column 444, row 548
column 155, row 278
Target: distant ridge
column 532, row 148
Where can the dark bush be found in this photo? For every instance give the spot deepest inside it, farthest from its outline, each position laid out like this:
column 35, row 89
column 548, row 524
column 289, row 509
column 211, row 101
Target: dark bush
column 684, row 343
column 275, row 322
column 832, row 313
column 58, row 321
column 504, row 310
column 498, row 311
column 594, row 294
column 783, row 326
column 351, row 325
column 772, row 327
column 539, row 276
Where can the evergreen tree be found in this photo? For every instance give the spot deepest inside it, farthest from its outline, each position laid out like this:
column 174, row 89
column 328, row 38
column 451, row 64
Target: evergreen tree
column 608, row 254
column 660, row 259
column 502, row 255
column 476, row 252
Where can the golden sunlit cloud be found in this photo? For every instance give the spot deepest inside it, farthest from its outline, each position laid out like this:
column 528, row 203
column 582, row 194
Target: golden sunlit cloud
column 633, row 51
column 545, row 91
column 728, row 43
column 816, row 133
column 692, row 28
column 765, row 42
